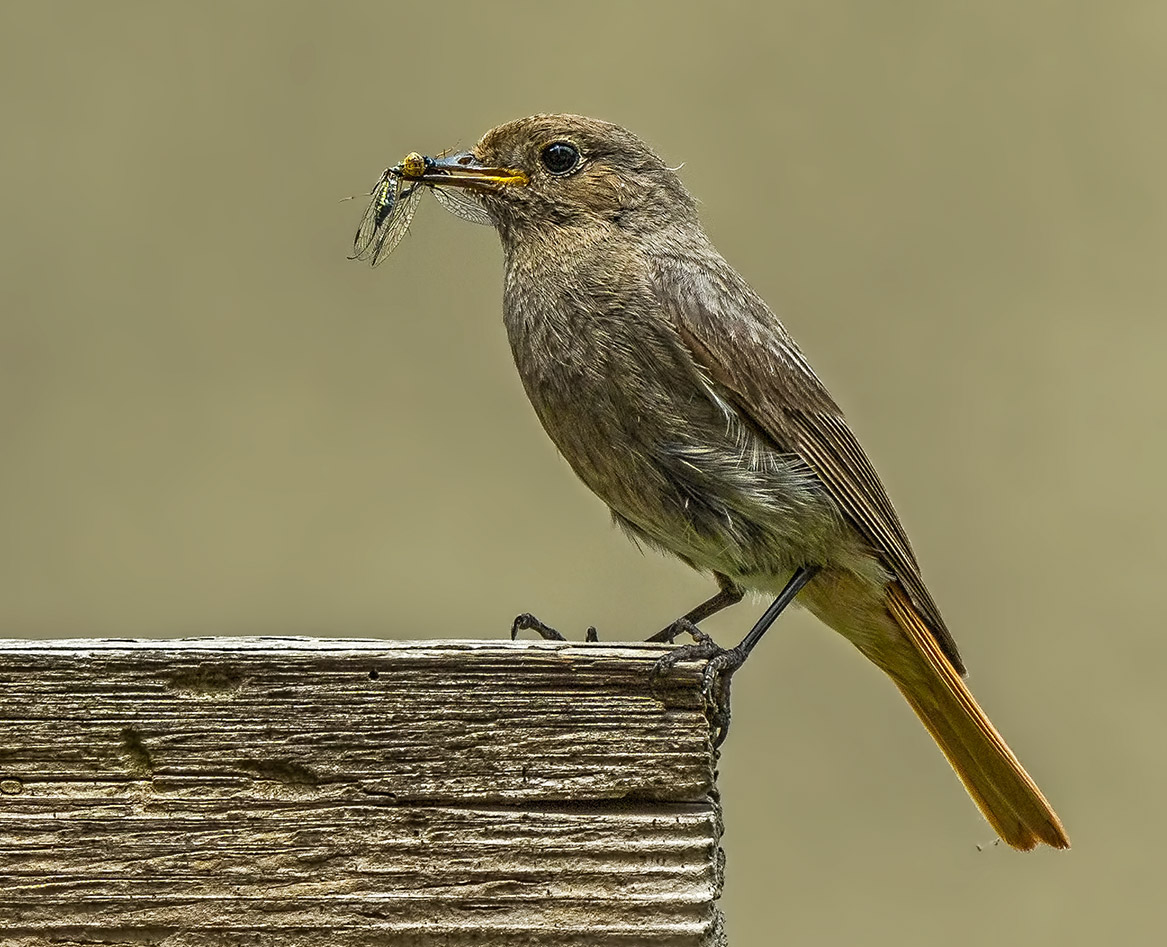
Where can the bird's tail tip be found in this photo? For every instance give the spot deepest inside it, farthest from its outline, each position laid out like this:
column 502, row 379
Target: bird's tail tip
column 997, row 782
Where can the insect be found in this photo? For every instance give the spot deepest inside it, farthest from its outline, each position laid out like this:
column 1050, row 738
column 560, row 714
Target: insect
column 394, row 202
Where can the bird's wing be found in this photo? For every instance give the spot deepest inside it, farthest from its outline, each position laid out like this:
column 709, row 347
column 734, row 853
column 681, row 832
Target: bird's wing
column 743, row 347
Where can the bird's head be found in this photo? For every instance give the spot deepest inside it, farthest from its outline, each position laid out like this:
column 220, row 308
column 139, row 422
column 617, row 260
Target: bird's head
column 545, row 172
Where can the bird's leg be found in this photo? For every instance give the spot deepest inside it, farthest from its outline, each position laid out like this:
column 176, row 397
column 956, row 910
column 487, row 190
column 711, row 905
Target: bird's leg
column 722, row 662
column 528, row 622
column 730, row 593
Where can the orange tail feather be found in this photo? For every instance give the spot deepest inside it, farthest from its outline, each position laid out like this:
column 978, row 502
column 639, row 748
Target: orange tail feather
column 997, row 782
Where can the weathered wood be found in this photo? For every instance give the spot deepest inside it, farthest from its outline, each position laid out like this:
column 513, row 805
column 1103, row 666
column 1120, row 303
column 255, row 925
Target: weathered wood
column 237, row 791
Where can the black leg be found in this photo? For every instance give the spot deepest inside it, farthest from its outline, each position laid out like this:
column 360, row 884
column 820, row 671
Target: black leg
column 723, row 662
column 770, row 615
column 729, row 594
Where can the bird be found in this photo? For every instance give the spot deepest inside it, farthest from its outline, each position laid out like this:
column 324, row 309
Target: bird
column 680, row 399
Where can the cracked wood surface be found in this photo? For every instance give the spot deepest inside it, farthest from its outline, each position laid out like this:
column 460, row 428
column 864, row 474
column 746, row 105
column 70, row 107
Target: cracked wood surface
column 247, row 791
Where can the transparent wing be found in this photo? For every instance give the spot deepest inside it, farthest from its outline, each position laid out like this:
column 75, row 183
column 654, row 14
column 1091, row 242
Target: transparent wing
column 384, row 197
column 386, row 221
column 397, row 223
column 464, row 204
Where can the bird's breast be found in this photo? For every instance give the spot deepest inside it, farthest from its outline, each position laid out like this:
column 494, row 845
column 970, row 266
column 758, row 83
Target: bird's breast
column 627, row 406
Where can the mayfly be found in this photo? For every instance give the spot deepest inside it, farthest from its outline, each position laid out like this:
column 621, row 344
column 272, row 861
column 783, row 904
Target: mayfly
column 394, row 202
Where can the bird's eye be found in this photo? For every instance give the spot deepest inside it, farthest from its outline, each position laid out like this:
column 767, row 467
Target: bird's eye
column 560, row 157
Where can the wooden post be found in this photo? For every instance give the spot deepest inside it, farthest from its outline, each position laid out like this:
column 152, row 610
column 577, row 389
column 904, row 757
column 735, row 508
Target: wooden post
column 279, row 792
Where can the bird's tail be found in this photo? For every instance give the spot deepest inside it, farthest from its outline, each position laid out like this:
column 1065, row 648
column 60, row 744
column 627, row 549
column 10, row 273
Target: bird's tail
column 997, row 782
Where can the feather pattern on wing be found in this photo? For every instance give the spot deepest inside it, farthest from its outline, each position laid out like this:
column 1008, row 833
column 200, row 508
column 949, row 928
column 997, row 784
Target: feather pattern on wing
column 751, row 356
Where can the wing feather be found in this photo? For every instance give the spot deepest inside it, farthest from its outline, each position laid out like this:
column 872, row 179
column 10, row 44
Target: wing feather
column 744, row 348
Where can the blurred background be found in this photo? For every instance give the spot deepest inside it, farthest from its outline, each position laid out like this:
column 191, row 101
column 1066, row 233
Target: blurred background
column 214, row 423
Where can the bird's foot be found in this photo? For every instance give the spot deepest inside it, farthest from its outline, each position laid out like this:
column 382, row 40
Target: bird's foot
column 669, row 633
column 720, row 665
column 528, row 622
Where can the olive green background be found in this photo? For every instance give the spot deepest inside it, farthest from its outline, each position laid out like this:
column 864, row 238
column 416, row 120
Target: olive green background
column 214, row 423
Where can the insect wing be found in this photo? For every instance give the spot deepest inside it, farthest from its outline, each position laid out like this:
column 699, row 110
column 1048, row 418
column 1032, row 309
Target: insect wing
column 384, row 198
column 387, row 217
column 395, row 224
column 464, row 204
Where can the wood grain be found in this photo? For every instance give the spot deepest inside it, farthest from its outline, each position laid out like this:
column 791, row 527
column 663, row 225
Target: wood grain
column 233, row 791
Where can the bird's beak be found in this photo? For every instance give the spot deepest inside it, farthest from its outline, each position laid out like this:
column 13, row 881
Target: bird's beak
column 460, row 170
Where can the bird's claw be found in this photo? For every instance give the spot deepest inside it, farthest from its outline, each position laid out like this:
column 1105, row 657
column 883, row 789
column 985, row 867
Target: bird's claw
column 703, row 647
column 528, row 622
column 720, row 665
column 682, row 626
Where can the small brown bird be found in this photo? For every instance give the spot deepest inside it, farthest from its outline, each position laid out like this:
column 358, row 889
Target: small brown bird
column 679, row 398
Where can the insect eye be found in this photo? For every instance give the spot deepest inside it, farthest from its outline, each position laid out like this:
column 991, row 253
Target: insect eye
column 560, row 157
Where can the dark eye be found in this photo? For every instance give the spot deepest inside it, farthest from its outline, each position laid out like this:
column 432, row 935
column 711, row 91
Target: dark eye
column 559, row 157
